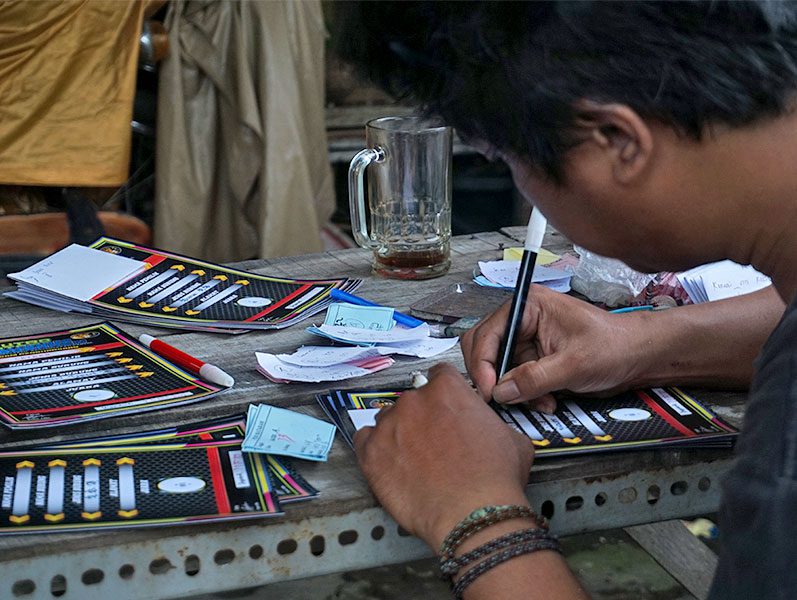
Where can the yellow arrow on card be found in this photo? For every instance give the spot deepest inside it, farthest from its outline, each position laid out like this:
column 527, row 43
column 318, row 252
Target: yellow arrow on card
column 604, row 438
column 192, row 312
column 89, row 462
column 145, row 305
column 25, row 464
column 197, row 272
column 128, row 514
column 242, row 282
column 541, row 443
column 124, row 300
column 168, row 309
column 123, row 360
column 125, row 460
column 178, row 267
column 91, row 516
column 8, row 393
column 145, row 374
column 133, row 367
column 221, row 277
column 113, row 354
column 19, row 519
column 57, row 462
column 54, row 518
column 575, row 440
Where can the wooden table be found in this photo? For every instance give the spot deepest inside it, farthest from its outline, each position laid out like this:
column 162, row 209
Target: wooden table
column 343, row 529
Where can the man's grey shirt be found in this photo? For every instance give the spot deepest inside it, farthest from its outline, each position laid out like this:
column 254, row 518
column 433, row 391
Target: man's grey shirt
column 758, row 516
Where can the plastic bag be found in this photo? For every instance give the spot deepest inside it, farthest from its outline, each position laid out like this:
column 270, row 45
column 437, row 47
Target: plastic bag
column 608, row 280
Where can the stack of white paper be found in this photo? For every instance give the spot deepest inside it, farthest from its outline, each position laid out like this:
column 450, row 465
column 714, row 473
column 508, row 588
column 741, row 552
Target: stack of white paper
column 720, row 280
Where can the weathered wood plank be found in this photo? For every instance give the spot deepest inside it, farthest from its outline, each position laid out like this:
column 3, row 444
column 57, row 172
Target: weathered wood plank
column 681, row 554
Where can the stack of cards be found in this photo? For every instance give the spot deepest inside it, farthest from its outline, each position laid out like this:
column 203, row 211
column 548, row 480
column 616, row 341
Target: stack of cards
column 372, row 338
column 289, row 485
column 176, row 476
column 721, row 280
column 284, row 432
column 122, row 281
column 93, row 372
column 658, row 417
column 504, row 274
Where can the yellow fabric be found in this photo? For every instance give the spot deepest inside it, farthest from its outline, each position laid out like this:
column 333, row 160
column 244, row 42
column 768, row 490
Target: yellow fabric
column 67, row 79
column 242, row 165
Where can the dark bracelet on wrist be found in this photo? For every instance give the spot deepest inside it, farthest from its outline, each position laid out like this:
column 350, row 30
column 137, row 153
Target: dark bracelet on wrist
column 545, row 542
column 482, row 518
column 452, row 566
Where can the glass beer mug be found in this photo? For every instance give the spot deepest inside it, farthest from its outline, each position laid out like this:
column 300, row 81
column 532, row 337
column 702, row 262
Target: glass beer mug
column 409, row 196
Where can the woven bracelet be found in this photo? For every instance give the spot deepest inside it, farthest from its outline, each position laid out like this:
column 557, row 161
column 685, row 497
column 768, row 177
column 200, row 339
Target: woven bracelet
column 481, row 518
column 544, row 543
column 452, row 566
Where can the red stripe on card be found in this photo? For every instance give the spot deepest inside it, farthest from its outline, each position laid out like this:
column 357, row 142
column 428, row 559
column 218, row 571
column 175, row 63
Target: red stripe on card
column 675, row 423
column 285, row 300
column 154, row 259
column 108, row 346
column 90, row 404
column 219, row 489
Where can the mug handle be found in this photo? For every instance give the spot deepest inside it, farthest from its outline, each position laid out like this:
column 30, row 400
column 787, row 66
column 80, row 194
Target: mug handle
column 357, row 194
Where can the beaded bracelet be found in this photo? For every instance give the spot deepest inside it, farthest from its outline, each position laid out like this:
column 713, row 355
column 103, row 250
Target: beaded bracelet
column 546, row 542
column 484, row 517
column 452, row 566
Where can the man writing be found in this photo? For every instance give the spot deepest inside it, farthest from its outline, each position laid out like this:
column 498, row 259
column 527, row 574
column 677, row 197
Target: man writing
column 662, row 134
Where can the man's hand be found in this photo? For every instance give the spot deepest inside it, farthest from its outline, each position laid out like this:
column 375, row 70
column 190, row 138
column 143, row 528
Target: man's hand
column 563, row 344
column 440, row 453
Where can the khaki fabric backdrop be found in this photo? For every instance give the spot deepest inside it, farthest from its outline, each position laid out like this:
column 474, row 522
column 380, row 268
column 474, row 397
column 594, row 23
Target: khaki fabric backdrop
column 67, row 79
column 242, row 167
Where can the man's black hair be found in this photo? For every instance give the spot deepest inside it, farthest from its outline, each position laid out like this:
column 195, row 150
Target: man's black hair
column 513, row 73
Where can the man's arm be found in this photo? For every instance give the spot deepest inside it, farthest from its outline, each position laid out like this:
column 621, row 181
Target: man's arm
column 441, row 453
column 567, row 344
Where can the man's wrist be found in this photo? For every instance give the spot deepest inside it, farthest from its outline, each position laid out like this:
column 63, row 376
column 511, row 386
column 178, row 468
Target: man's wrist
column 456, row 514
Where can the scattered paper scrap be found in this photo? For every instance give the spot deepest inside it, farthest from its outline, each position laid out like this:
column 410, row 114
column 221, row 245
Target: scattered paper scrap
column 284, row 432
column 279, row 371
column 325, row 356
column 504, row 273
column 544, row 257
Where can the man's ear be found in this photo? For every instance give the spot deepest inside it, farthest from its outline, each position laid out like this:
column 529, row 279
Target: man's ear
column 620, row 132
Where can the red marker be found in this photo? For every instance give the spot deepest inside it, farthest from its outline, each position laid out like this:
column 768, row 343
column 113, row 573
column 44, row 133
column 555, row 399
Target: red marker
column 185, row 361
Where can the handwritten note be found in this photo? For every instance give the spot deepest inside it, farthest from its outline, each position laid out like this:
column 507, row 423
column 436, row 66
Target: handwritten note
column 724, row 279
column 284, row 432
column 505, row 273
column 375, row 318
column 354, row 335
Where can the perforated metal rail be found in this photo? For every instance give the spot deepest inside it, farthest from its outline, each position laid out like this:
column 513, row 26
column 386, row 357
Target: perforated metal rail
column 248, row 556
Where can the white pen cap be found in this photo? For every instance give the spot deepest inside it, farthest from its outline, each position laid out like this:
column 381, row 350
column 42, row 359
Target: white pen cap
column 215, row 375
column 535, row 231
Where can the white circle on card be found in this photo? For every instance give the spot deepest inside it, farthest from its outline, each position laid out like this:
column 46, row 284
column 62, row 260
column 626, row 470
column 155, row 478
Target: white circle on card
column 181, row 485
column 97, row 395
column 629, row 414
column 254, row 301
